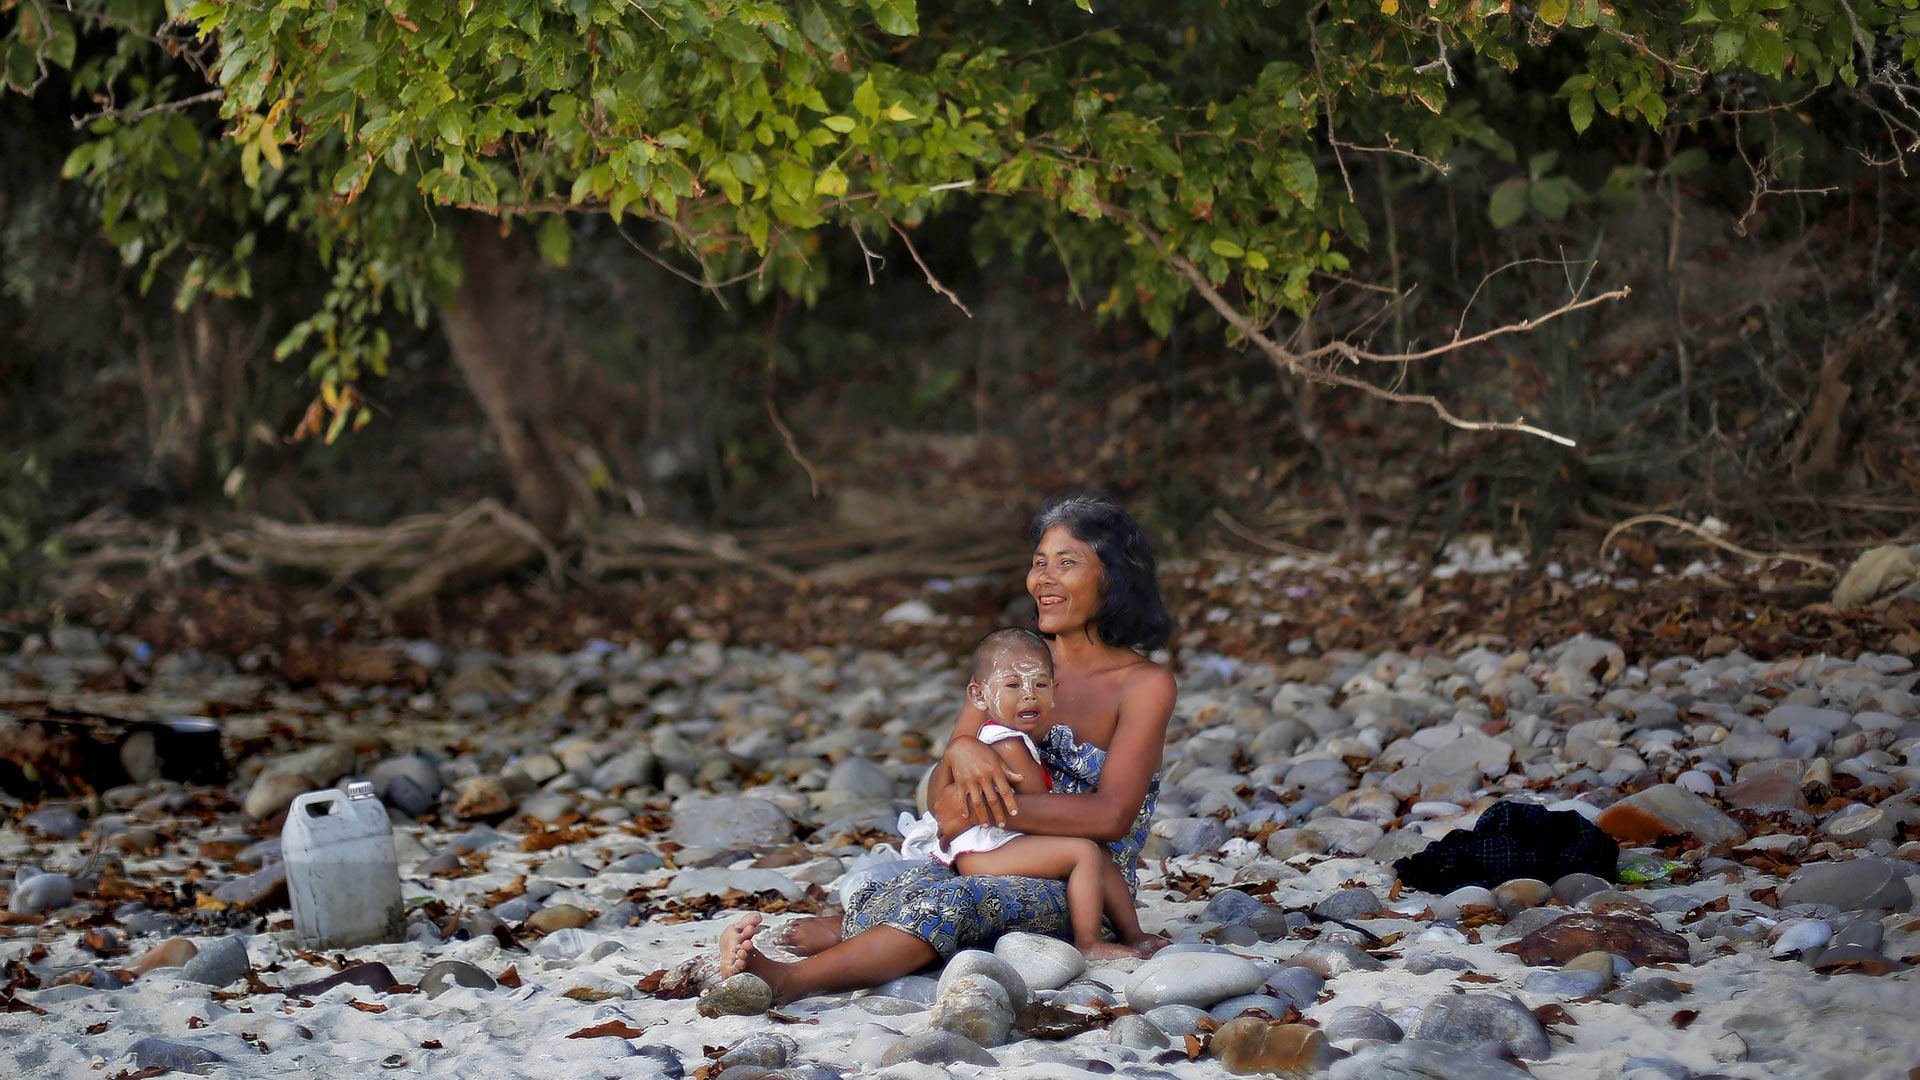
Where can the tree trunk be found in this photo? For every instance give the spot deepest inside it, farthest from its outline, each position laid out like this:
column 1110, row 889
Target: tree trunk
column 494, row 328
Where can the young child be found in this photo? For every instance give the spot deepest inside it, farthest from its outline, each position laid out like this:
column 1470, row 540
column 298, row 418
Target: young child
column 1013, row 684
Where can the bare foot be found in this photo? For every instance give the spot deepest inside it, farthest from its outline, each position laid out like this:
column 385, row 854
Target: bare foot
column 1148, row 944
column 737, row 951
column 810, row 935
column 1107, row 950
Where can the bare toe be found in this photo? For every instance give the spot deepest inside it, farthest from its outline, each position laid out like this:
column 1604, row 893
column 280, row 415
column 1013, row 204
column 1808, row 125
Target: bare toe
column 736, row 945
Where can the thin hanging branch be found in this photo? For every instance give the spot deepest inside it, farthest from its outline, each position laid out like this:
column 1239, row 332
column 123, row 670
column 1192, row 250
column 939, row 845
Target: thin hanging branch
column 1302, row 363
column 931, row 280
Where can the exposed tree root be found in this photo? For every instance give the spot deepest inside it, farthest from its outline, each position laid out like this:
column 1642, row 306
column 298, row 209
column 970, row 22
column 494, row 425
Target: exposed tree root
column 417, row 558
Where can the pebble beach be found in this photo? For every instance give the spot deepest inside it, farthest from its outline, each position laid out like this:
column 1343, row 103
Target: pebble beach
column 574, row 829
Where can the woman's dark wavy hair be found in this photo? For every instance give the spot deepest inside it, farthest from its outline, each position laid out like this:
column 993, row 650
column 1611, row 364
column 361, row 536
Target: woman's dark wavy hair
column 1131, row 613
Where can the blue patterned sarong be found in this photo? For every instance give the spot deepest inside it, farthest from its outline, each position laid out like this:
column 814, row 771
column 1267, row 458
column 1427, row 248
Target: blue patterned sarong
column 952, row 912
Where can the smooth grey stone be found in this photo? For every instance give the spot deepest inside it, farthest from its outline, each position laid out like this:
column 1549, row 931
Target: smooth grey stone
column 1854, row 885
column 1231, row 907
column 151, row 1053
column 256, row 890
column 409, row 783
column 670, row 1066
column 1299, row 985
column 766, row 1049
column 1236, row 936
column 855, row 775
column 566, row 866
column 516, row 909
column 1177, row 1020
column 1361, row 1022
column 1044, row 963
column 735, row 821
column 55, row 821
column 938, row 1048
column 220, row 962
column 980, row 962
column 1192, row 836
column 266, row 851
column 1348, row 904
column 974, row 1005
column 1566, row 985
column 447, row 974
column 1191, row 978
column 1645, row 990
column 1333, row 958
column 547, row 807
column 140, row 923
column 1574, row 888
column 1860, row 933
column 639, row 862
column 1421, row 963
column 479, row 838
column 1450, row 905
column 1084, row 994
column 1136, row 1032
column 1423, row 1060
column 1467, row 1020
column 1273, row 1008
column 636, row 768
column 372, row 976
column 618, row 917
column 40, row 893
column 1527, row 920
column 880, row 1005
column 915, row 988
column 437, row 864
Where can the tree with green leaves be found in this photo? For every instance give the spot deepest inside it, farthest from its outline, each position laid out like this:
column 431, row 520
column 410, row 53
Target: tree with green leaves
column 1169, row 155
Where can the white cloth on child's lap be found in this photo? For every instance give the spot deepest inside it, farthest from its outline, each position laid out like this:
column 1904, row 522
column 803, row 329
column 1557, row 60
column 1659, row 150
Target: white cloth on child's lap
column 920, row 837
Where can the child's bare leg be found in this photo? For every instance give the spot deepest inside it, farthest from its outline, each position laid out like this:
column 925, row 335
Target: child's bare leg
column 1118, row 903
column 1066, row 858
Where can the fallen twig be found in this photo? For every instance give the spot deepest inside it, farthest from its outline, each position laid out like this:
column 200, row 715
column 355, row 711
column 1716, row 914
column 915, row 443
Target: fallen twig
column 1704, row 534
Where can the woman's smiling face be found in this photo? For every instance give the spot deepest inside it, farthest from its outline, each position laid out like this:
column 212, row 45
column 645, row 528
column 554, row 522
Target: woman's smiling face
column 1065, row 581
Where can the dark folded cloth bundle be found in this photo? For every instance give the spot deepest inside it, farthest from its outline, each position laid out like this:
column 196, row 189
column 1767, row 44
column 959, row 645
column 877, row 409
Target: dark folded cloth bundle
column 1512, row 840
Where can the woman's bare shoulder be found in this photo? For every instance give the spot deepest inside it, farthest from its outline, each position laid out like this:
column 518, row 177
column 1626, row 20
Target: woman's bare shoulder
column 1143, row 676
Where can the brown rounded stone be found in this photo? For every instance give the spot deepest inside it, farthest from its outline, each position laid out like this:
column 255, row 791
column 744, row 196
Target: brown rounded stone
column 482, row 797
column 1641, row 941
column 1252, row 1045
column 558, row 917
column 174, row 952
column 1766, row 789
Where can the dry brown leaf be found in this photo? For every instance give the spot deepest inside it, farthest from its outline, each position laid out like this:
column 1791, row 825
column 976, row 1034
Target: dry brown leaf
column 612, row 1029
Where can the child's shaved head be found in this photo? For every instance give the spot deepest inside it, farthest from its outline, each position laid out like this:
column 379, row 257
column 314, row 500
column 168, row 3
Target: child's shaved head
column 1004, row 641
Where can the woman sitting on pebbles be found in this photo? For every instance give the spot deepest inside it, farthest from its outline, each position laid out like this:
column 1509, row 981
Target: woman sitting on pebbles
column 1095, row 585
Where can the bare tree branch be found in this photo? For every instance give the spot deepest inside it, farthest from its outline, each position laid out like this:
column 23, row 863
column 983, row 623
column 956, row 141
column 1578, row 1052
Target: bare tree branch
column 135, row 114
column 1301, row 363
column 1687, row 526
column 931, row 280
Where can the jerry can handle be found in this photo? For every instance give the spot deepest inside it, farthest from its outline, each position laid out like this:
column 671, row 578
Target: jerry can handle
column 312, row 803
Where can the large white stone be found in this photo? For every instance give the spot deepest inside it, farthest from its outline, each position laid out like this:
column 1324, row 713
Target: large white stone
column 1197, row 979
column 1046, row 963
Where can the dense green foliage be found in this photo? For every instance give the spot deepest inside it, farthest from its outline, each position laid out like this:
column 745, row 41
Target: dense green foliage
column 1133, row 138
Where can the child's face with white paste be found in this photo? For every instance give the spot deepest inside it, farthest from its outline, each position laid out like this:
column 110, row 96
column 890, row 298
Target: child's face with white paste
column 1016, row 690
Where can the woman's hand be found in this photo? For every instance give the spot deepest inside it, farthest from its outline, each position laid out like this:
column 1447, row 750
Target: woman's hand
column 981, row 788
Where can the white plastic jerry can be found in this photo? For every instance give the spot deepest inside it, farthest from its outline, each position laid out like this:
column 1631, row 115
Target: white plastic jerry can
column 342, row 876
